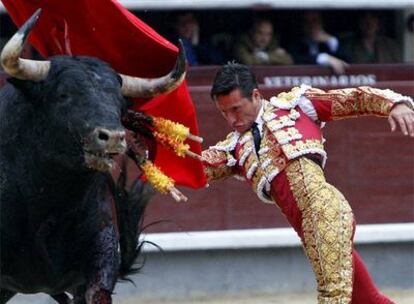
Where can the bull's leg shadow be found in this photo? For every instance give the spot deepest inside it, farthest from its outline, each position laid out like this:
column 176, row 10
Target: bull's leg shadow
column 5, row 295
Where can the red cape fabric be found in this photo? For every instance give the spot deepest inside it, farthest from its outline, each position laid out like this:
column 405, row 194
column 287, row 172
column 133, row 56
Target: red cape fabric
column 106, row 30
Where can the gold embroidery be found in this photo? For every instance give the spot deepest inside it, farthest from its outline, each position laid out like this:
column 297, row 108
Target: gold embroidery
column 281, row 120
column 374, row 102
column 344, row 108
column 286, row 135
column 327, row 230
column 270, row 141
column 251, row 160
column 269, row 114
column 303, row 147
column 271, row 162
column 343, row 101
column 246, row 150
column 215, row 165
column 284, row 120
column 280, row 163
column 275, row 152
column 353, row 102
column 213, row 156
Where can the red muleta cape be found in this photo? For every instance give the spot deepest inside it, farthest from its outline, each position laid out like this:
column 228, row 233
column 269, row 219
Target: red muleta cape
column 106, row 30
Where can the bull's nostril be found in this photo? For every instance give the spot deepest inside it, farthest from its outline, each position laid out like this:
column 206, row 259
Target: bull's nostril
column 103, row 136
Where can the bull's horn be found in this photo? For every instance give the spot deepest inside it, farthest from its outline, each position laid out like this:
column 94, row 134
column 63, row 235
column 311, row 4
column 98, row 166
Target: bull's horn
column 147, row 87
column 20, row 68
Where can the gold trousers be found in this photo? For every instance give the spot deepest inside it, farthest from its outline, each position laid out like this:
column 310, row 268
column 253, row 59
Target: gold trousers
column 324, row 220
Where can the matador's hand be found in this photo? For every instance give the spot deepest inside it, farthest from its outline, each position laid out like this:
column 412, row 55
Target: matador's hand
column 402, row 116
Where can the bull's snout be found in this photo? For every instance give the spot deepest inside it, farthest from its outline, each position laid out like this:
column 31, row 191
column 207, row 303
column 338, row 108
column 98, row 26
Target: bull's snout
column 106, row 140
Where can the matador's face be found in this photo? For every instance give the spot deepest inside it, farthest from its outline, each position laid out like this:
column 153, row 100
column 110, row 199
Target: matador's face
column 240, row 112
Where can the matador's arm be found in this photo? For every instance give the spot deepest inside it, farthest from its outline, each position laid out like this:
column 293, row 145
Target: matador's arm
column 345, row 103
column 215, row 165
column 218, row 161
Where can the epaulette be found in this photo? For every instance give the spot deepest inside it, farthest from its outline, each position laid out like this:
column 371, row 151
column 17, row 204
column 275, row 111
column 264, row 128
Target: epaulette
column 289, row 100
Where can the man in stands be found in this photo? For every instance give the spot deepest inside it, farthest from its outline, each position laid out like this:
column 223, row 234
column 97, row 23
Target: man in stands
column 260, row 46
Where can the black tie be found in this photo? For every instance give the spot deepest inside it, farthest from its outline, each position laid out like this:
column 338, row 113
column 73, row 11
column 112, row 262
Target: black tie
column 256, row 136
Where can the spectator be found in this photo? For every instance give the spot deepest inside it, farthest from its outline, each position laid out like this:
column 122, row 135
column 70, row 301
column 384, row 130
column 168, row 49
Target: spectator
column 261, row 47
column 409, row 40
column 198, row 52
column 369, row 46
column 316, row 46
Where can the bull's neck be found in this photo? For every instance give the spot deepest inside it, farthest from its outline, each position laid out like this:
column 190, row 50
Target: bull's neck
column 61, row 177
column 48, row 178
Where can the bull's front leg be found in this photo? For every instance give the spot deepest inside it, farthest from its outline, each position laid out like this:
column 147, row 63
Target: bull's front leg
column 105, row 263
column 105, row 267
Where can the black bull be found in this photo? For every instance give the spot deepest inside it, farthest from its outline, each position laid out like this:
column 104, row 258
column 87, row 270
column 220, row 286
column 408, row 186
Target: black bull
column 60, row 126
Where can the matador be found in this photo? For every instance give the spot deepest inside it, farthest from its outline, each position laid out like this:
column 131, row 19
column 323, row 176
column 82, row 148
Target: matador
column 277, row 147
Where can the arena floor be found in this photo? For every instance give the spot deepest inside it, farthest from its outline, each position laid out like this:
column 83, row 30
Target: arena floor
column 399, row 297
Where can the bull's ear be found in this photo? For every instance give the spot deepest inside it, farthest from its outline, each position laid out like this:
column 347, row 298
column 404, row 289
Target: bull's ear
column 27, row 87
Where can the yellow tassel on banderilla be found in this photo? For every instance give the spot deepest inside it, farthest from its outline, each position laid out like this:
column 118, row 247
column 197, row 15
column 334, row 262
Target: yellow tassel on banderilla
column 169, row 134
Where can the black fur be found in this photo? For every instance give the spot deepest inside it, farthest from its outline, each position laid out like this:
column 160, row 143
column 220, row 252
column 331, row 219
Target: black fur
column 130, row 206
column 57, row 231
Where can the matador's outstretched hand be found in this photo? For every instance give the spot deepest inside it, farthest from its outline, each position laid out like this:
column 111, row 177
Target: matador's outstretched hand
column 403, row 116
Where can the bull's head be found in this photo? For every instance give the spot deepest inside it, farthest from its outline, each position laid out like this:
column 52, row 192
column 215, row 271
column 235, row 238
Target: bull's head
column 82, row 98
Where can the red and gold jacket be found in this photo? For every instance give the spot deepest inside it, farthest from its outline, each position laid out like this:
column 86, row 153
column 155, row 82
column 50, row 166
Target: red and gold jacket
column 291, row 128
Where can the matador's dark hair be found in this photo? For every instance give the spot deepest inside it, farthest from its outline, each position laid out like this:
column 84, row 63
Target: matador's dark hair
column 233, row 76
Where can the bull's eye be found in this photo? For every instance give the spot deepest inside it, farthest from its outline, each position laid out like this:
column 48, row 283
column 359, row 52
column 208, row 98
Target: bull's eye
column 63, row 96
